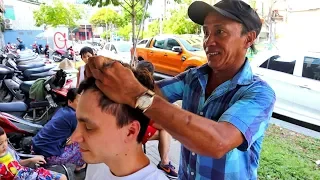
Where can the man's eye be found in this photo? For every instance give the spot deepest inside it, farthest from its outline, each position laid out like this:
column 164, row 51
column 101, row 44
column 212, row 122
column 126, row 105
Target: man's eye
column 219, row 31
column 88, row 128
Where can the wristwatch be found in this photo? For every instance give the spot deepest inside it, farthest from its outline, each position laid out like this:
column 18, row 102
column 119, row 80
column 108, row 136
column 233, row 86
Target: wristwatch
column 145, row 100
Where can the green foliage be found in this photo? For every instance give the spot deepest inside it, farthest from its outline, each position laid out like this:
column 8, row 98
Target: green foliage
column 153, row 29
column 125, row 31
column 105, row 35
column 288, row 155
column 101, row 3
column 106, row 16
column 60, row 13
column 139, row 9
column 179, row 23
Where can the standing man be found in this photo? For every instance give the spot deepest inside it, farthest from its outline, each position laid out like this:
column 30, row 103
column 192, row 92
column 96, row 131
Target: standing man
column 226, row 108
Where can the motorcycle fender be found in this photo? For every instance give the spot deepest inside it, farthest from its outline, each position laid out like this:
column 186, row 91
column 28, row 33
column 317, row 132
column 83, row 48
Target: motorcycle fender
column 10, row 84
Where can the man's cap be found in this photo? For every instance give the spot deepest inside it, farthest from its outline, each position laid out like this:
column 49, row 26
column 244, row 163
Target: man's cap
column 234, row 9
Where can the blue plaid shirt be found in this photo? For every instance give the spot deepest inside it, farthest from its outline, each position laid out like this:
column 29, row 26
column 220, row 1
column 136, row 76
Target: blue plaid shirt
column 244, row 101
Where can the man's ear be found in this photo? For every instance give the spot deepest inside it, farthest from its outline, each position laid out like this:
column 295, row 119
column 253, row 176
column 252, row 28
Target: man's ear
column 133, row 130
column 251, row 37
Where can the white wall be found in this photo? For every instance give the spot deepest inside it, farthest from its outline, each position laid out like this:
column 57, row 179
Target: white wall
column 23, row 15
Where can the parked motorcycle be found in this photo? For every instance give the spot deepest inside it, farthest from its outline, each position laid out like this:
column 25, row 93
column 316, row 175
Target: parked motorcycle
column 60, row 54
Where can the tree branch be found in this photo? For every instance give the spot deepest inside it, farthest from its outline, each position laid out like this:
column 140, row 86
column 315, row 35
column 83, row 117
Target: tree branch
column 126, row 9
column 136, row 3
column 127, row 3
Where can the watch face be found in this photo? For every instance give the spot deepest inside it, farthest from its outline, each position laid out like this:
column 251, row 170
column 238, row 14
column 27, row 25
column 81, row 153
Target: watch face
column 144, row 102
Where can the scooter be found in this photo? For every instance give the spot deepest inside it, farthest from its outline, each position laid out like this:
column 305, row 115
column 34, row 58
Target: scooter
column 59, row 55
column 11, row 79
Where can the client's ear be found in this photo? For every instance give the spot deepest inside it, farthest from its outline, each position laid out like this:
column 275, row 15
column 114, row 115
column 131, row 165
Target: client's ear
column 133, row 130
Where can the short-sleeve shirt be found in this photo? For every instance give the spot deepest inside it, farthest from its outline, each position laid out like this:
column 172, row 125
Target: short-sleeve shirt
column 245, row 101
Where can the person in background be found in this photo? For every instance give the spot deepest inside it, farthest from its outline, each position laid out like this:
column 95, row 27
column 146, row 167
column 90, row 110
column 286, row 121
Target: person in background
column 53, row 140
column 85, row 53
column 21, row 45
column 12, row 167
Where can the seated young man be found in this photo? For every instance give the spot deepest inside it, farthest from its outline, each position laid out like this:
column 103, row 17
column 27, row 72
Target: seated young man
column 112, row 133
column 12, row 167
column 53, row 140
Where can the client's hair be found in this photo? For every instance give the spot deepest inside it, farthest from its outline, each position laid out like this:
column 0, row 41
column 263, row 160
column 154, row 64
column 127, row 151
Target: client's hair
column 124, row 114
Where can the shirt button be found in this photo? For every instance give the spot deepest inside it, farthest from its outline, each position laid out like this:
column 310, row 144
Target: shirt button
column 193, row 154
column 201, row 113
column 192, row 173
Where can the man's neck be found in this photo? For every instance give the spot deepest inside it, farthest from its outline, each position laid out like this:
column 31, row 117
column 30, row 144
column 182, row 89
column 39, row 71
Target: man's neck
column 218, row 77
column 129, row 163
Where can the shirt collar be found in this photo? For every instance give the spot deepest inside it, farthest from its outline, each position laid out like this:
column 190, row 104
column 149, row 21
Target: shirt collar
column 243, row 77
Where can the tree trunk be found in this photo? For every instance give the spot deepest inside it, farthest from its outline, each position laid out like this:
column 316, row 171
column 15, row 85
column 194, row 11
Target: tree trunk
column 133, row 18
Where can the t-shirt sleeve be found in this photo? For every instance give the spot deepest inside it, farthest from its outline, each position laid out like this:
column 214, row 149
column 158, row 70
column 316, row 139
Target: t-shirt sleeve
column 251, row 114
column 172, row 88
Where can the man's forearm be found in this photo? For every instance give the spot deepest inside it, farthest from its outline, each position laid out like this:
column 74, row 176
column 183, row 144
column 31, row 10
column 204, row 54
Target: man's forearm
column 198, row 134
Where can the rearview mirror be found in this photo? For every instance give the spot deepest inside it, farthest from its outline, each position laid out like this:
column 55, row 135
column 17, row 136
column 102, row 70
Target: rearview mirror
column 177, row 49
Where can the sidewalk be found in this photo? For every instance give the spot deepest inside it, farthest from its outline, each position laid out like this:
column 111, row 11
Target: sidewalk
column 174, row 153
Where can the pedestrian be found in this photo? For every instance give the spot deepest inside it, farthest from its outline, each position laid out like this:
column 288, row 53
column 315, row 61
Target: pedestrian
column 225, row 107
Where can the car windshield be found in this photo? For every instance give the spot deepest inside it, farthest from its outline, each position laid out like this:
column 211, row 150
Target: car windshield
column 123, row 47
column 191, row 44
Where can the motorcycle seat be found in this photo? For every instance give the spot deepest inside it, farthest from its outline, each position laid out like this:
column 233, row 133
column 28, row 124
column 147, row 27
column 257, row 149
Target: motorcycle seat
column 29, row 72
column 21, row 124
column 25, row 86
column 30, row 62
column 41, row 75
column 13, row 107
column 24, row 67
column 4, row 70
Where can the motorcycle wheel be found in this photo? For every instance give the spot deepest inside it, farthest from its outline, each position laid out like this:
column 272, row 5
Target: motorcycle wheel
column 5, row 95
column 56, row 59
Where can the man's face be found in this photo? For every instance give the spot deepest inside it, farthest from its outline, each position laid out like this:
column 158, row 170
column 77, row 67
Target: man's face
column 3, row 144
column 97, row 133
column 223, row 41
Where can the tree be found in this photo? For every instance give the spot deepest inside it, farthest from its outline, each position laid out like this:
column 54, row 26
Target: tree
column 153, row 29
column 179, row 23
column 125, row 31
column 59, row 13
column 106, row 16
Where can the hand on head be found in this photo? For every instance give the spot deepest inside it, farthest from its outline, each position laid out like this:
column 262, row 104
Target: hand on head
column 114, row 79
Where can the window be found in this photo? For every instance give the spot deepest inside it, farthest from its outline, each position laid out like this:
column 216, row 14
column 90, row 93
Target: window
column 107, row 47
column 171, row 43
column 277, row 64
column 159, row 43
column 113, row 48
column 311, row 68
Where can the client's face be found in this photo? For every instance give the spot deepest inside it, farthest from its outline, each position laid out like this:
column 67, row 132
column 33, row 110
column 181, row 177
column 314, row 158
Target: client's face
column 97, row 133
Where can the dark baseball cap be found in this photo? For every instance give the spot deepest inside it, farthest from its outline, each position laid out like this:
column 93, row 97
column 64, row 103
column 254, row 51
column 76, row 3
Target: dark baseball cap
column 234, row 9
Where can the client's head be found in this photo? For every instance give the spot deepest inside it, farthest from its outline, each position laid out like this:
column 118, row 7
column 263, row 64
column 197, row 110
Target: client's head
column 107, row 130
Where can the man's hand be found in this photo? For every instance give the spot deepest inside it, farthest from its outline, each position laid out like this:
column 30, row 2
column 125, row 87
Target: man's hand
column 38, row 160
column 114, row 80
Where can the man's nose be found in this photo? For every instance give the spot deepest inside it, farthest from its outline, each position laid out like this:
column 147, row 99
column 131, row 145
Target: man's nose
column 77, row 135
column 209, row 40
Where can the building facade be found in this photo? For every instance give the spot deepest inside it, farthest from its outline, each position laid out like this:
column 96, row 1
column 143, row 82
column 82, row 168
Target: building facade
column 19, row 22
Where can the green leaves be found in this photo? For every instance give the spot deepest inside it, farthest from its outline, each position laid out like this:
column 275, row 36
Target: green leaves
column 106, row 16
column 57, row 14
column 101, row 3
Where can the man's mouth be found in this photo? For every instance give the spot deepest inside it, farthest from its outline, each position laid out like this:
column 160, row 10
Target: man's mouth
column 83, row 150
column 213, row 54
